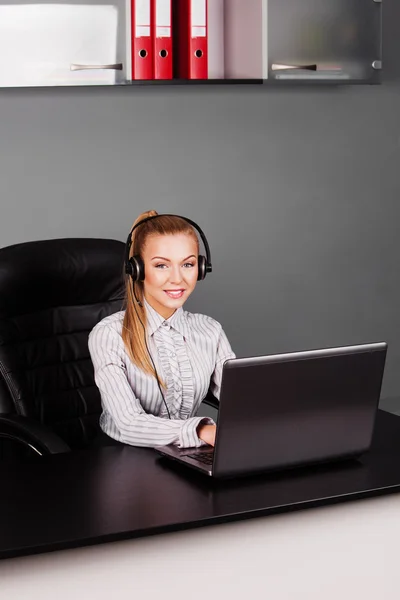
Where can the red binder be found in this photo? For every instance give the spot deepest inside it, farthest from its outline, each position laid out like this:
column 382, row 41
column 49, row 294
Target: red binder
column 142, row 41
column 162, row 36
column 192, row 47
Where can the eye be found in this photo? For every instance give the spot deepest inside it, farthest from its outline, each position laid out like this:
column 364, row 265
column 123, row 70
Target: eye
column 160, row 265
column 190, row 264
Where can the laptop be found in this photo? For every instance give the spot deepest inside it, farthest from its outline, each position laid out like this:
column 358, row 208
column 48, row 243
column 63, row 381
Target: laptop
column 290, row 410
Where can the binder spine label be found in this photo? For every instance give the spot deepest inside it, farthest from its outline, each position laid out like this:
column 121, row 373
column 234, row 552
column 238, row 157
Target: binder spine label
column 163, row 13
column 143, row 31
column 199, row 32
column 163, row 31
column 142, row 13
column 199, row 12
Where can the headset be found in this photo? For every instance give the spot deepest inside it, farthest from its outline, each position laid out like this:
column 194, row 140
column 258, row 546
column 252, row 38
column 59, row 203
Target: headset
column 134, row 268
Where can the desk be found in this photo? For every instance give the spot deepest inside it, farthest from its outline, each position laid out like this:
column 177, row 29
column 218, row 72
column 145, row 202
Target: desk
column 119, row 493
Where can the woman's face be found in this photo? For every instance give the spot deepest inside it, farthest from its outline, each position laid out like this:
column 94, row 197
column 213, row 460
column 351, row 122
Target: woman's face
column 170, row 265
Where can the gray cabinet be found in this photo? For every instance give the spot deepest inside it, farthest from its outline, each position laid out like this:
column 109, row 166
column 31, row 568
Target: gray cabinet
column 341, row 39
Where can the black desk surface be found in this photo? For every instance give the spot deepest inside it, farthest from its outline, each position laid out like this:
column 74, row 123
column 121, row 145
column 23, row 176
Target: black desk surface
column 116, row 493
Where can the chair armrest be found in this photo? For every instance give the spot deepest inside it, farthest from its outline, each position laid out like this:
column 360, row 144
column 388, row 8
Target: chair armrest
column 31, row 433
column 211, row 400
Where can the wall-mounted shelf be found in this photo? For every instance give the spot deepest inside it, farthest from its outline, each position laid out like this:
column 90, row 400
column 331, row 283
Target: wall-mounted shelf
column 255, row 42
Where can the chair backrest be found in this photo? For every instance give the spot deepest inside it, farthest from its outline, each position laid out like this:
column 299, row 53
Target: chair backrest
column 52, row 293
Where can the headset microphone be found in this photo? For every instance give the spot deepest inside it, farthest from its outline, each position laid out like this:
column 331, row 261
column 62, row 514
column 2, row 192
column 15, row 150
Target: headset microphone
column 136, row 298
column 151, row 358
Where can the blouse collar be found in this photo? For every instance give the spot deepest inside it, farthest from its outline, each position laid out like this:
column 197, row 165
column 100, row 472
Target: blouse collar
column 177, row 321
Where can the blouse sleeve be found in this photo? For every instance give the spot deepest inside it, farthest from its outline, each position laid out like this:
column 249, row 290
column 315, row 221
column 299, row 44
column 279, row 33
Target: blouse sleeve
column 224, row 351
column 136, row 427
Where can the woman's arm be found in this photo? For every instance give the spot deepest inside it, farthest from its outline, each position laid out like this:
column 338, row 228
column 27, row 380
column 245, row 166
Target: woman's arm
column 136, row 427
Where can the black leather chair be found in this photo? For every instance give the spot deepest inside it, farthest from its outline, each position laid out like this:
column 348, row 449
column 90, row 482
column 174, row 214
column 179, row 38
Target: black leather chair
column 52, row 293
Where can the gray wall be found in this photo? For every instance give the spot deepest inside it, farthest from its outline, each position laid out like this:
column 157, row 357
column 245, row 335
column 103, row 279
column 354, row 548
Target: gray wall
column 296, row 189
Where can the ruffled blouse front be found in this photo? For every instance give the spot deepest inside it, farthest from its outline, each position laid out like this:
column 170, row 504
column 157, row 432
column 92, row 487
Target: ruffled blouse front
column 177, row 370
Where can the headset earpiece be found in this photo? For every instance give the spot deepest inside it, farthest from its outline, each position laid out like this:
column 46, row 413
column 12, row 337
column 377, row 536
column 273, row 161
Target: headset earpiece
column 135, row 268
column 202, row 270
column 128, row 267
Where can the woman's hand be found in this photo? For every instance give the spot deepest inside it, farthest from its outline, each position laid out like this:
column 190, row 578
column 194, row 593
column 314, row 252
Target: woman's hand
column 207, row 433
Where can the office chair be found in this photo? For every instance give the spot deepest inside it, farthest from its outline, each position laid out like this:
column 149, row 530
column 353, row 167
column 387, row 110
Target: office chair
column 52, row 293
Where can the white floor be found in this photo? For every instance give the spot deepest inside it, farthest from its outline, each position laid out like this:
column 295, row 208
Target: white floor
column 391, row 405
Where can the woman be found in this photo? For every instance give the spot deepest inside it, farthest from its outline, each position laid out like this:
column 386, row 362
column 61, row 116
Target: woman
column 154, row 362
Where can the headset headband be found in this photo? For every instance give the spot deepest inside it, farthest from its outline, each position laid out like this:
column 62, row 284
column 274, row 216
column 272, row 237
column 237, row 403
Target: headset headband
column 203, row 237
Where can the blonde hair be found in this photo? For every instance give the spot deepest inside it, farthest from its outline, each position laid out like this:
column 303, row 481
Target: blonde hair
column 133, row 332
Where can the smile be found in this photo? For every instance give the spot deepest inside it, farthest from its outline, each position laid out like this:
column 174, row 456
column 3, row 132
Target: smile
column 174, row 293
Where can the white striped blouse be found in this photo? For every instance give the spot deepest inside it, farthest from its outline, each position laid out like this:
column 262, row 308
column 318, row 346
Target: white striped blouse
column 188, row 349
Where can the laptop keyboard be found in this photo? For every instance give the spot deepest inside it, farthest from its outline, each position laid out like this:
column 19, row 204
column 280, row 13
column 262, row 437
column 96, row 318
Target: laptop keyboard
column 204, row 457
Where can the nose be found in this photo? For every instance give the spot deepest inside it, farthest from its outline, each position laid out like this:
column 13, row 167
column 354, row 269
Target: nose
column 175, row 275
